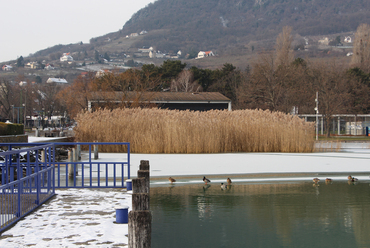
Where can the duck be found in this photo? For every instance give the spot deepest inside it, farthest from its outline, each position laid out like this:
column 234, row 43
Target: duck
column 223, row 186
column 328, row 180
column 229, row 181
column 206, row 180
column 354, row 179
column 315, row 180
column 172, row 180
column 349, row 177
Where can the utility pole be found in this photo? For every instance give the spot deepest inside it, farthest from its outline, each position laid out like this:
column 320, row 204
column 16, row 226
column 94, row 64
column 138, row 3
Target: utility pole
column 317, row 115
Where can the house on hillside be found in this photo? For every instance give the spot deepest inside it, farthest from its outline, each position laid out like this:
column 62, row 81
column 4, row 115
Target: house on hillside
column 57, row 81
column 66, row 58
column 102, row 72
column 49, row 67
column 7, row 68
column 32, row 65
column 324, row 41
column 202, row 54
column 348, row 39
column 195, row 101
column 145, row 49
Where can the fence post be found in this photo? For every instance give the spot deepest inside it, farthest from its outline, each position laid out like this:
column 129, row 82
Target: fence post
column 140, row 218
column 75, row 158
column 70, row 166
column 96, row 151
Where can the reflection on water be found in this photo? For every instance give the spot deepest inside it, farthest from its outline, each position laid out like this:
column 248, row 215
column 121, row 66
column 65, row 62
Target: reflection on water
column 261, row 215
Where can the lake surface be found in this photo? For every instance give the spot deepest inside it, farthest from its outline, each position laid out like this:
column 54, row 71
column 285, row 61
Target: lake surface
column 290, row 214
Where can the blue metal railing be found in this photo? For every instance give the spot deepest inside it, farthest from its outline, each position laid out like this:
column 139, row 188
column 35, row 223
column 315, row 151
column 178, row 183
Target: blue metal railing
column 87, row 172
column 25, row 185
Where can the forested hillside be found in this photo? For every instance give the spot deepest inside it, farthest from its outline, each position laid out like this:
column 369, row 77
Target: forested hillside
column 219, row 24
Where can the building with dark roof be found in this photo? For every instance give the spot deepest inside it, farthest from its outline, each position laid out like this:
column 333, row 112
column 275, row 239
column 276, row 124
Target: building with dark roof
column 197, row 101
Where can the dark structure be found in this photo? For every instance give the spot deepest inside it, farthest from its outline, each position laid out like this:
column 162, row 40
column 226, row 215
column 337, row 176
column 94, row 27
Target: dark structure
column 197, row 101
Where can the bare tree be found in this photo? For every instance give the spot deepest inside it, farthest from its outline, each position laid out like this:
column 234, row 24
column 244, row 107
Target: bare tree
column 7, row 98
column 185, row 83
column 333, row 87
column 283, row 48
column 361, row 47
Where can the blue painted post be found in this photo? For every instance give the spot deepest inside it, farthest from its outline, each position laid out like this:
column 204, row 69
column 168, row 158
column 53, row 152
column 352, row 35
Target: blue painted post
column 129, row 184
column 122, row 215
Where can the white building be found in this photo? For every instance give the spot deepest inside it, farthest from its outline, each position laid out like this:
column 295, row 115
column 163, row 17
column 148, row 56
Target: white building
column 57, row 81
column 7, row 68
column 66, row 58
column 348, row 39
column 202, row 54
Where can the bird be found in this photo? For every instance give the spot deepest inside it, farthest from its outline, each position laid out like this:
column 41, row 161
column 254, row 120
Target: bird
column 171, row 180
column 354, row 179
column 223, row 186
column 206, row 180
column 349, row 177
column 328, row 180
column 315, row 180
column 228, row 180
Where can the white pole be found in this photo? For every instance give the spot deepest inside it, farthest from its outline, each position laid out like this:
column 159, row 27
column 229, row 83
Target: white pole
column 317, row 115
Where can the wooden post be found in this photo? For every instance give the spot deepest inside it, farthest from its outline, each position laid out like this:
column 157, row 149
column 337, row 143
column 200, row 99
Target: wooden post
column 43, row 158
column 75, row 158
column 145, row 174
column 140, row 201
column 140, row 218
column 78, row 152
column 144, row 165
column 139, row 229
column 96, row 151
column 70, row 166
column 139, row 185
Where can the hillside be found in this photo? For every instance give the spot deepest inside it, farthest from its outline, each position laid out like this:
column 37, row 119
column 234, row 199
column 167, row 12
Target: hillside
column 221, row 25
column 235, row 30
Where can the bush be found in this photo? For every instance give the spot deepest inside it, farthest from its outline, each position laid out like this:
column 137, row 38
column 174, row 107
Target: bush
column 11, row 129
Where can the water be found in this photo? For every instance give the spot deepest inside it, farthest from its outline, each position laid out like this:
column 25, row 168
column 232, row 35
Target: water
column 294, row 214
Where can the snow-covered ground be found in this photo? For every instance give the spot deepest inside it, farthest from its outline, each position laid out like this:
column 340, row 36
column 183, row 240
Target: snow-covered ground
column 81, row 217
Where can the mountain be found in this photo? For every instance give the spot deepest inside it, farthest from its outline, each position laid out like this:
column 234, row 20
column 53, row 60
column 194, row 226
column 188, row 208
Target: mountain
column 230, row 28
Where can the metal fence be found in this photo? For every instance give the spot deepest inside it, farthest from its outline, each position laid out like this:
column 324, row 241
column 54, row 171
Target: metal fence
column 81, row 168
column 26, row 182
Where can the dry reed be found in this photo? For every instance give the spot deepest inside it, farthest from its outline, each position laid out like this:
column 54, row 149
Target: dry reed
column 173, row 131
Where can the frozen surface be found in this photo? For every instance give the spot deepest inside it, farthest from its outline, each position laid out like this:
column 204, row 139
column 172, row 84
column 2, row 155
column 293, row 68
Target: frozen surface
column 83, row 217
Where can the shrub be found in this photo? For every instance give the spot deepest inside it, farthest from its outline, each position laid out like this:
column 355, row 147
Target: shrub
column 11, row 129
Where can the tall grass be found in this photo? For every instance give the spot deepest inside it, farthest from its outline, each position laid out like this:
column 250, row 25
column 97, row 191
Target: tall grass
column 172, row 131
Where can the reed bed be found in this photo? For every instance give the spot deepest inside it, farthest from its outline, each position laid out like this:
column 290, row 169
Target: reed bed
column 173, row 131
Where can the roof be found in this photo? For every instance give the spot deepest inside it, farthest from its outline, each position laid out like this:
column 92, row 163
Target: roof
column 57, row 80
column 160, row 97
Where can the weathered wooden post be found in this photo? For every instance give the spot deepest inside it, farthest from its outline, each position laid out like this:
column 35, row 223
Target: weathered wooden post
column 140, row 217
column 96, row 151
column 144, row 165
column 144, row 174
column 70, row 166
column 75, row 158
column 78, row 152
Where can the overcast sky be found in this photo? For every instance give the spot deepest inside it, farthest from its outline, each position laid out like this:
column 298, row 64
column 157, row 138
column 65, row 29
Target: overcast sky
column 28, row 26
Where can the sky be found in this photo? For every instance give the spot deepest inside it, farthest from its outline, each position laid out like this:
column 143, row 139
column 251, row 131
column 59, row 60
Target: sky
column 30, row 26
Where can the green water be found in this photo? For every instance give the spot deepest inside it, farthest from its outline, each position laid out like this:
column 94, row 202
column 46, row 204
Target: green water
column 261, row 215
